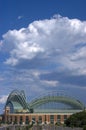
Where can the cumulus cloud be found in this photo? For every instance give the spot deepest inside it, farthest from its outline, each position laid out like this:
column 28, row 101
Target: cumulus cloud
column 58, row 39
column 3, row 99
column 50, row 83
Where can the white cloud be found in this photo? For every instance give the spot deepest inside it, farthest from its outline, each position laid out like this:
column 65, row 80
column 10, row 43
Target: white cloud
column 3, row 99
column 50, row 83
column 80, row 54
column 13, row 61
column 54, row 38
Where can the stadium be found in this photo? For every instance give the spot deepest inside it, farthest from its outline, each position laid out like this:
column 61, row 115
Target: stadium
column 52, row 107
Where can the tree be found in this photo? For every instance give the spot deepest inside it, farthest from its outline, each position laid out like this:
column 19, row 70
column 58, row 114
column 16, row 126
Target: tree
column 77, row 120
column 84, row 127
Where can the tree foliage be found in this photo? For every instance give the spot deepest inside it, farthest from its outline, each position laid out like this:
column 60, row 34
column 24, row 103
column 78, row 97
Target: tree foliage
column 77, row 120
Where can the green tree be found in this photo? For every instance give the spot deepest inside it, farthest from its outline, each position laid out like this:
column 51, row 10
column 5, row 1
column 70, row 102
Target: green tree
column 77, row 120
column 84, row 127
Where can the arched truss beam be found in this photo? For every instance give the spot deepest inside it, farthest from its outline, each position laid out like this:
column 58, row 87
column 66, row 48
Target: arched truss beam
column 75, row 104
column 18, row 96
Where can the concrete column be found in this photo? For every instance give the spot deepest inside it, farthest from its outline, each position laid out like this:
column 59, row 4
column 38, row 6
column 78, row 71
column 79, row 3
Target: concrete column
column 47, row 119
column 30, row 118
column 18, row 119
column 37, row 117
column 55, row 119
column 13, row 119
column 43, row 119
column 62, row 119
column 24, row 118
column 9, row 118
column 5, row 118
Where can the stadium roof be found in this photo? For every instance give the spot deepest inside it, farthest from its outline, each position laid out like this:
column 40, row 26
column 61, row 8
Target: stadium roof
column 50, row 102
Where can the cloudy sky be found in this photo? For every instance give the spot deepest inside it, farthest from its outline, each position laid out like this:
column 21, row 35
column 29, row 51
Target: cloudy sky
column 42, row 47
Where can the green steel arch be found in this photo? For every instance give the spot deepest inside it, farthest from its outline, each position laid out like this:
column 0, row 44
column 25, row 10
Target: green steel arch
column 75, row 104
column 17, row 99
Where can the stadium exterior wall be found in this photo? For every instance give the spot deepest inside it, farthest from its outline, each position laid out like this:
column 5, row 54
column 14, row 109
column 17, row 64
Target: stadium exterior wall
column 42, row 118
column 18, row 111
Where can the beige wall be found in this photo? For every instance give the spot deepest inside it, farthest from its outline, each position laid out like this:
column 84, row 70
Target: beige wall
column 37, row 117
column 23, row 118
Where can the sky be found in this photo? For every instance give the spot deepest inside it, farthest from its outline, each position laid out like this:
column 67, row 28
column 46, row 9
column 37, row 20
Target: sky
column 42, row 48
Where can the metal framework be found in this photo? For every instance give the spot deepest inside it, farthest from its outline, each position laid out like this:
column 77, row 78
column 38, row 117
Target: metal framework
column 66, row 100
column 17, row 100
column 59, row 97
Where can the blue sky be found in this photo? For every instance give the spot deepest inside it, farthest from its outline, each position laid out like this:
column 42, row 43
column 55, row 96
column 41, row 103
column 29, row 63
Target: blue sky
column 42, row 47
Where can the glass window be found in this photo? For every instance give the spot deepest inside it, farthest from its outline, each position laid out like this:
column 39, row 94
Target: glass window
column 27, row 119
column 40, row 119
column 21, row 119
column 65, row 117
column 52, row 119
column 58, row 118
column 33, row 120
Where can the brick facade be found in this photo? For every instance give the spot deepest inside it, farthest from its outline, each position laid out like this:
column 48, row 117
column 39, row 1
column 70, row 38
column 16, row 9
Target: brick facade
column 24, row 118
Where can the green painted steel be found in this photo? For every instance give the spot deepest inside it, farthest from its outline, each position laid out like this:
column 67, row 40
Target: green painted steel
column 56, row 111
column 17, row 98
column 75, row 104
column 18, row 101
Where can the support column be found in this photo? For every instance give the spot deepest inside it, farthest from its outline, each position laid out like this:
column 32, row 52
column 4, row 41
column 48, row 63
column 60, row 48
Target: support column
column 43, row 119
column 62, row 119
column 36, row 116
column 30, row 118
column 13, row 119
column 47, row 119
column 18, row 119
column 24, row 118
column 55, row 119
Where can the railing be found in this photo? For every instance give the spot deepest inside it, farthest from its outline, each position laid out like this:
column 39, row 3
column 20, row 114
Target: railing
column 37, row 127
column 14, row 127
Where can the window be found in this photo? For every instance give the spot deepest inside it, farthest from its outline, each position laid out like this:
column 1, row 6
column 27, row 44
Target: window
column 21, row 119
column 65, row 117
column 58, row 118
column 15, row 120
column 27, row 119
column 33, row 120
column 52, row 119
column 40, row 119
